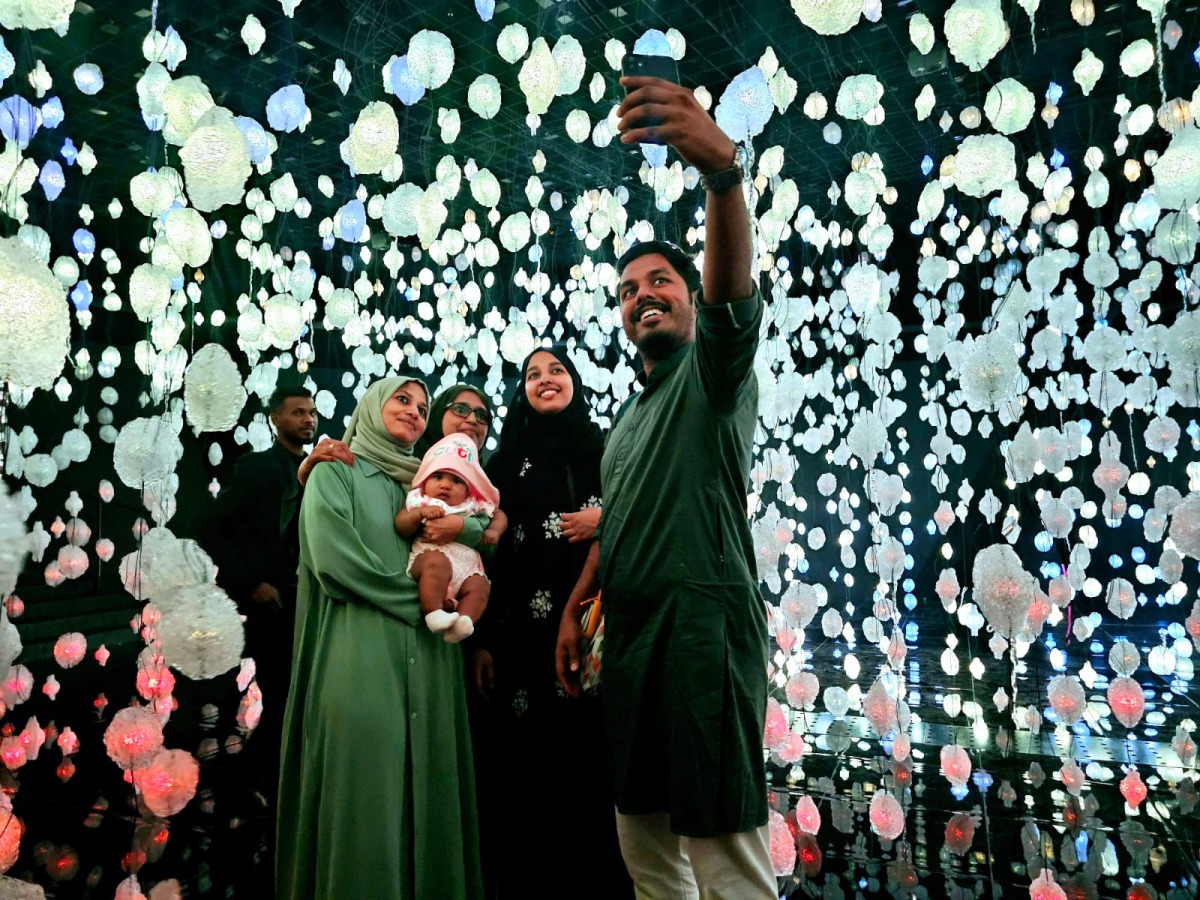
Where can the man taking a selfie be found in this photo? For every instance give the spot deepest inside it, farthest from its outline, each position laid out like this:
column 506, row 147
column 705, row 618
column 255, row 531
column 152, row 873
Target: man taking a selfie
column 685, row 648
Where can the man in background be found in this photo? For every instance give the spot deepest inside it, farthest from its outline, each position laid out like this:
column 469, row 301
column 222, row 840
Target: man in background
column 258, row 570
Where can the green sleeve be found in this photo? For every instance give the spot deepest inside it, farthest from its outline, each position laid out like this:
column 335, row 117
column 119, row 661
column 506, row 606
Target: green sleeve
column 726, row 341
column 473, row 528
column 330, row 547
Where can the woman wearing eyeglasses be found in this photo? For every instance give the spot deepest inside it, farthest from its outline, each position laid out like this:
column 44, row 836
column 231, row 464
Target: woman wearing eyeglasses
column 541, row 756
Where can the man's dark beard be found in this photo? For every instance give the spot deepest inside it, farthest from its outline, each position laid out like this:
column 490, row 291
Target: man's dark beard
column 658, row 345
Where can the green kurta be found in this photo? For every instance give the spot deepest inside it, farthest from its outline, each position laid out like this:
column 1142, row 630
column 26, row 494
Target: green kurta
column 377, row 793
column 685, row 648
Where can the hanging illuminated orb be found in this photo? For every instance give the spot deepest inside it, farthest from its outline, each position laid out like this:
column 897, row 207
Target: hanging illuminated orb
column 483, row 96
column 35, row 327
column 216, row 161
column 782, row 845
column 11, row 830
column 1177, row 171
column 1045, row 888
column 975, row 32
column 512, row 43
column 960, row 833
column 538, row 78
column 1185, row 525
column 1133, row 789
column 133, row 737
column 1067, row 699
column 746, row 105
column 70, row 649
column 168, row 782
column 1009, row 106
column 1003, row 590
column 887, row 816
column 857, row 96
column 1127, row 701
column 956, row 764
column 373, row 138
column 185, row 101
column 430, row 58
column 146, row 451
column 990, row 372
column 13, row 550
column 213, row 394
column 828, row 16
column 201, row 632
column 984, row 163
column 35, row 15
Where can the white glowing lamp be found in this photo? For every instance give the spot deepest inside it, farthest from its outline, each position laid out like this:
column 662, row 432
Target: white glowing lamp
column 430, row 58
column 184, row 101
column 483, row 96
column 188, row 235
column 1177, row 171
column 538, row 78
column 568, row 57
column 1137, row 58
column 216, row 161
column 1009, row 106
column 975, row 32
column 513, row 42
column 253, row 34
column 920, row 32
column 828, row 16
column 213, row 394
column 373, row 138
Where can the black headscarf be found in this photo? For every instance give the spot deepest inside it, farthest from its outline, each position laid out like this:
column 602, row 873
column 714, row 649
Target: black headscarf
column 557, row 437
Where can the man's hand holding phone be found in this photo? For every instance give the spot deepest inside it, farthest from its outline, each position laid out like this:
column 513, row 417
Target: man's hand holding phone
column 657, row 111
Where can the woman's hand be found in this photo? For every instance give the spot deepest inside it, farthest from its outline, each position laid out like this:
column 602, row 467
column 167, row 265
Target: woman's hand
column 581, row 526
column 484, row 668
column 442, row 531
column 327, row 450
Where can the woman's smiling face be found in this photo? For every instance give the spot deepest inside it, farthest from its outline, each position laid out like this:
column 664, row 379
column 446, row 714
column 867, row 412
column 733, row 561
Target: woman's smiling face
column 470, row 424
column 548, row 385
column 404, row 413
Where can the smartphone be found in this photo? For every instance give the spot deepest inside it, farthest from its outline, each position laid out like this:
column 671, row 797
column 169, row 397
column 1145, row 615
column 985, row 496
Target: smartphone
column 650, row 67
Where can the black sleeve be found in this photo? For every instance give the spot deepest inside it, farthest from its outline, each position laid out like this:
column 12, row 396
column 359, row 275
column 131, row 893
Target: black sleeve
column 221, row 532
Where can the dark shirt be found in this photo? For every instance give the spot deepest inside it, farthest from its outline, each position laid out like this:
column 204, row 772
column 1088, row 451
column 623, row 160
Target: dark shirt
column 243, row 533
column 685, row 649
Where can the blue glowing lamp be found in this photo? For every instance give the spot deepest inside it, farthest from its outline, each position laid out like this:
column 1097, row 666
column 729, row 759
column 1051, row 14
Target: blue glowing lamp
column 286, row 108
column 81, row 296
column 486, row 9
column 19, row 120
column 52, row 113
column 746, row 105
column 256, row 138
column 89, row 79
column 652, row 43
column 350, row 221
column 52, row 179
column 402, row 82
column 84, row 241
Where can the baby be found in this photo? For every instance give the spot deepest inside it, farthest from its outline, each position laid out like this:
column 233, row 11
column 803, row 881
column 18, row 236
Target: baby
column 451, row 583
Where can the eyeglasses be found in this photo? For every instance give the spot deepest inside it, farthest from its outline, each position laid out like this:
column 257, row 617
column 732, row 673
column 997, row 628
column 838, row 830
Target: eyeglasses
column 462, row 410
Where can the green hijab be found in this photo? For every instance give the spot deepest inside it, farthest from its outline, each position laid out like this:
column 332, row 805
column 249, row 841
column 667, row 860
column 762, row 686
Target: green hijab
column 369, row 439
column 437, row 411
